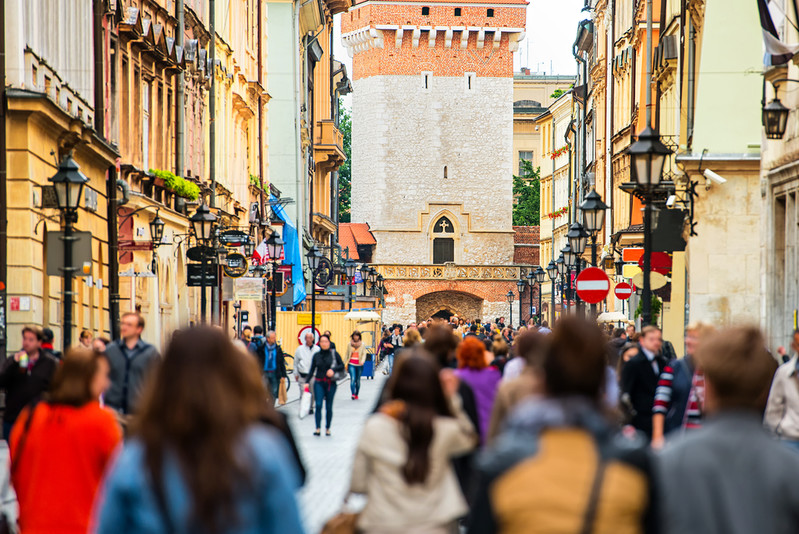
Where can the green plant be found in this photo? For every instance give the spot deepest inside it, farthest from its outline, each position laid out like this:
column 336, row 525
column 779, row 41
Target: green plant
column 345, row 171
column 527, row 195
column 180, row 186
column 656, row 306
column 255, row 181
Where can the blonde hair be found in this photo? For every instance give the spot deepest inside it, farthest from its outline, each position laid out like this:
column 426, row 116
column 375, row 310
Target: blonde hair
column 412, row 337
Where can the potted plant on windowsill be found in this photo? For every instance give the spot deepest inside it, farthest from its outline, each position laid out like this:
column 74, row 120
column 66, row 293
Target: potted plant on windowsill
column 180, row 188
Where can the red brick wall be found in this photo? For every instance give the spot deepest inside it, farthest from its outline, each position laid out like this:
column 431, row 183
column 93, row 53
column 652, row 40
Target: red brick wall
column 440, row 60
column 523, row 253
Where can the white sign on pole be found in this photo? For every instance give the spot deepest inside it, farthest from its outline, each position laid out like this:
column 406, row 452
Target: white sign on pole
column 248, row 288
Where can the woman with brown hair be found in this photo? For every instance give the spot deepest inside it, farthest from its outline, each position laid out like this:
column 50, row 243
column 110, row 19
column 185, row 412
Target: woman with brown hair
column 356, row 357
column 200, row 460
column 60, row 447
column 403, row 462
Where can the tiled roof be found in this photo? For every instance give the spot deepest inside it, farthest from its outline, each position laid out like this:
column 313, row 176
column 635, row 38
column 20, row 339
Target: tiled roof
column 347, row 241
column 350, row 235
column 362, row 234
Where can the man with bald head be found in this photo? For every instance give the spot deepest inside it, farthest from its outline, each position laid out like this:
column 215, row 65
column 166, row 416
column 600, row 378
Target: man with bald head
column 302, row 361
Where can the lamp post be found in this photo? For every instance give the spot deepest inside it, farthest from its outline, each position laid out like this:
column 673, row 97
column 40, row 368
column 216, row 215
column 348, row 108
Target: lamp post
column 593, row 210
column 364, row 270
column 510, row 307
column 274, row 246
column 372, row 279
column 68, row 182
column 530, row 282
column 552, row 272
column 560, row 266
column 381, row 287
column 349, row 269
column 520, row 285
column 314, row 258
column 540, row 277
column 648, row 155
column 203, row 223
column 578, row 238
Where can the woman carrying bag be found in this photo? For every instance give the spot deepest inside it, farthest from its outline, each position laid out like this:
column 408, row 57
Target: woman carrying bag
column 356, row 357
column 325, row 368
column 403, row 462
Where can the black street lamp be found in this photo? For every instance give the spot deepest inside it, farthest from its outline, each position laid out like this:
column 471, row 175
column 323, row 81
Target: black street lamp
column 530, row 282
column 560, row 265
column 349, row 270
column 68, row 182
column 372, row 279
column 540, row 277
column 593, row 210
column 364, row 276
column 274, row 245
column 202, row 223
column 648, row 156
column 775, row 119
column 381, row 287
column 314, row 259
column 249, row 248
column 520, row 285
column 552, row 272
column 510, row 307
column 157, row 229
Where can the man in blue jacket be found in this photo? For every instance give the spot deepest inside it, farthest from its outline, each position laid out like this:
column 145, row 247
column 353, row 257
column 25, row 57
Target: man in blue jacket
column 131, row 360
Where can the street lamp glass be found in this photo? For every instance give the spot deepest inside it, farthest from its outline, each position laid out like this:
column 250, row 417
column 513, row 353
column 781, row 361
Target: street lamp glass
column 68, row 182
column 274, row 245
column 552, row 270
column 775, row 119
column 314, row 257
column 364, row 272
column 156, row 230
column 560, row 265
column 593, row 210
column 510, row 296
column 249, row 248
column 569, row 257
column 202, row 222
column 648, row 156
column 540, row 275
column 372, row 275
column 530, row 277
column 520, row 285
column 578, row 238
column 349, row 269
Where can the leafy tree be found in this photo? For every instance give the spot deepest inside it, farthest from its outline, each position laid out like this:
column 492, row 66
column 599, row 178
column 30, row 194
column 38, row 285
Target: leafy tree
column 557, row 93
column 527, row 192
column 345, row 171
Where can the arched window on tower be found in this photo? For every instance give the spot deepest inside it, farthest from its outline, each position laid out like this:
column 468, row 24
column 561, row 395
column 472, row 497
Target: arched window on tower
column 443, row 241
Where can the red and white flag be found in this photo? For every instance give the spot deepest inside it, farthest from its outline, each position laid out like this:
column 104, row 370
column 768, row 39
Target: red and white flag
column 261, row 254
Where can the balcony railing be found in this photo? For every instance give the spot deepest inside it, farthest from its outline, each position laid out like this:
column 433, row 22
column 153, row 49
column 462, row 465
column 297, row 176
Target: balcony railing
column 328, row 134
column 451, row 271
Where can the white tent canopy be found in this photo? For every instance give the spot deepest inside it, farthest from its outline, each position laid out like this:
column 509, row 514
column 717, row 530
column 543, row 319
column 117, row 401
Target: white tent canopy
column 612, row 317
column 362, row 316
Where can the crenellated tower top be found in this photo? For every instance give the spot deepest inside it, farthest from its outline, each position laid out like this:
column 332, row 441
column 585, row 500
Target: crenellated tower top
column 443, row 38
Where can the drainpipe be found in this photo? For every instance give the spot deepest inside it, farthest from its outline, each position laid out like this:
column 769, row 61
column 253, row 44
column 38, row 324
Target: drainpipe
column 260, row 113
column 180, row 98
column 609, row 92
column 99, row 85
column 111, row 185
column 3, row 185
column 212, row 143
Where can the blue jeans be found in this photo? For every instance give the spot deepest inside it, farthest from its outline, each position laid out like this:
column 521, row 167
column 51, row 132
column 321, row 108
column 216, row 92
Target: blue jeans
column 792, row 444
column 272, row 382
column 355, row 378
column 324, row 391
column 390, row 362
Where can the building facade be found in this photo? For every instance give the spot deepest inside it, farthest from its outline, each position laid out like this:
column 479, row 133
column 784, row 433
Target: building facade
column 437, row 197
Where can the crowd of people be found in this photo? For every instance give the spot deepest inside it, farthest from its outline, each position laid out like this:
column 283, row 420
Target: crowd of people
column 479, row 427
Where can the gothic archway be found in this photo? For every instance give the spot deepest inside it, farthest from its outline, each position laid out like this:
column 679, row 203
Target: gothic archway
column 448, row 303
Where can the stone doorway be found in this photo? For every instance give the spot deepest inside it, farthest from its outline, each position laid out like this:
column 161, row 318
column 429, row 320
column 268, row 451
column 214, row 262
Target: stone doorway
column 448, row 303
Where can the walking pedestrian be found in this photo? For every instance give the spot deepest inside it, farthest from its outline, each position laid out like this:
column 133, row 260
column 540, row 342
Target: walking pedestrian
column 132, row 360
column 588, row 478
column 47, row 343
column 324, row 366
column 99, row 344
column 303, row 357
column 201, row 458
column 730, row 476
column 411, row 338
column 61, row 446
column 25, row 376
column 782, row 410
column 394, row 344
column 639, row 378
column 680, row 395
column 271, row 358
column 86, row 338
column 484, row 380
column 356, row 357
column 403, row 462
column 9, row 508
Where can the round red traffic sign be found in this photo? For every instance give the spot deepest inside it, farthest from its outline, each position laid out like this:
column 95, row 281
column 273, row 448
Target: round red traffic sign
column 623, row 291
column 307, row 330
column 660, row 262
column 593, row 285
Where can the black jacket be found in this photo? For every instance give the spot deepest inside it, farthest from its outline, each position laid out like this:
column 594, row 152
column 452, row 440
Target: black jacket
column 639, row 381
column 258, row 347
column 25, row 386
column 323, row 361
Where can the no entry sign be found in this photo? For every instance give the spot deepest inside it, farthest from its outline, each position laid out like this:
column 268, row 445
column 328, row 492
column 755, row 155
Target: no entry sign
column 660, row 263
column 593, row 285
column 623, row 291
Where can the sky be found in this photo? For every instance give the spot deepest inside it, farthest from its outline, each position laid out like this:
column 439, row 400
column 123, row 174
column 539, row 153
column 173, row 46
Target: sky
column 551, row 30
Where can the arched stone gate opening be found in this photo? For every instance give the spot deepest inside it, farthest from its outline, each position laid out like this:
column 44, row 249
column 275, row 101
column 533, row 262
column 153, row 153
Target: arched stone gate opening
column 457, row 303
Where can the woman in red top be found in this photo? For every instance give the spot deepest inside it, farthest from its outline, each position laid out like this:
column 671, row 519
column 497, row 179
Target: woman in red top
column 59, row 453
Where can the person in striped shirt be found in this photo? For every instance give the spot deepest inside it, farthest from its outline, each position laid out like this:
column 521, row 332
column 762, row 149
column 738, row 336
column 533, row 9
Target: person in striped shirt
column 680, row 394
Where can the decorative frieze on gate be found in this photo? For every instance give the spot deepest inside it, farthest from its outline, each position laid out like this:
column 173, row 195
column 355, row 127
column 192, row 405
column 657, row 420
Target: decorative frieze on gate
column 450, row 271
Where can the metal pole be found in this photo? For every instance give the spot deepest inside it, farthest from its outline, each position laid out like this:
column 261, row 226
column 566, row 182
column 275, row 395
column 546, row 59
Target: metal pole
column 552, row 296
column 646, row 307
column 349, row 294
column 540, row 312
column 648, row 62
column 313, row 305
column 510, row 313
column 212, row 143
column 593, row 264
column 531, row 300
column 68, row 269
column 521, row 302
column 3, row 186
column 180, row 96
column 203, row 302
column 273, row 318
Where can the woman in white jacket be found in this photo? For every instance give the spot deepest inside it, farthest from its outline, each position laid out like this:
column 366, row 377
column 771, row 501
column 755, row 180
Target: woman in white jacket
column 404, row 458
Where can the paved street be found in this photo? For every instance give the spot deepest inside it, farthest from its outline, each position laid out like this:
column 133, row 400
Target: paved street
column 329, row 459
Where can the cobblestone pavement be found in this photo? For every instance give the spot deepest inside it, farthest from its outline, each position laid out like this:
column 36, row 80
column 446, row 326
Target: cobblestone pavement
column 328, row 460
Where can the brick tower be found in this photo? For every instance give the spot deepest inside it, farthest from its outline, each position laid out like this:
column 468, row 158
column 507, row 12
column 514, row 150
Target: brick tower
column 432, row 154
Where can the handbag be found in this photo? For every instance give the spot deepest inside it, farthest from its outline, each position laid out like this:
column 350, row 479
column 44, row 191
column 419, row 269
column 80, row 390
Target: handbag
column 282, row 396
column 593, row 500
column 343, row 522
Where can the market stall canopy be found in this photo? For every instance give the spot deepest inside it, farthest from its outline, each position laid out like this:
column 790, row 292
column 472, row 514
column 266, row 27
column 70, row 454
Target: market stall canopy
column 362, row 316
column 612, row 317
